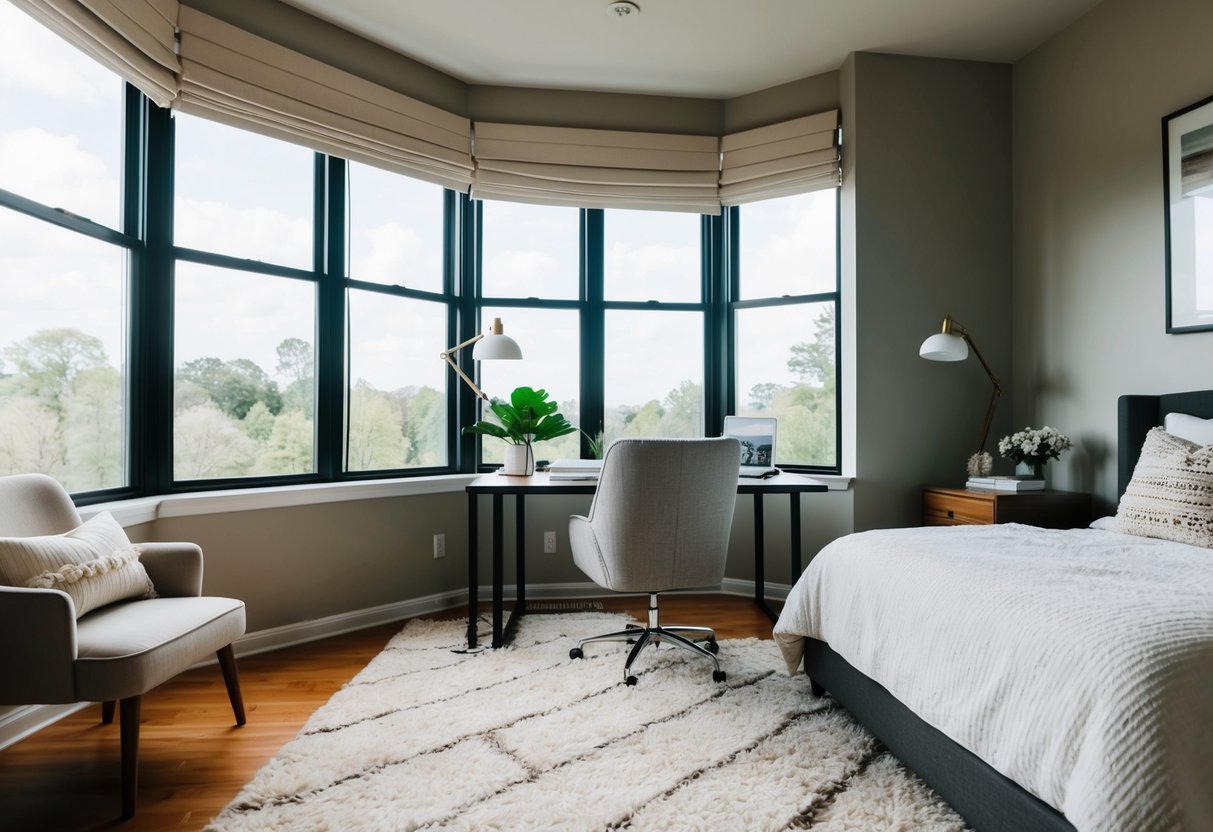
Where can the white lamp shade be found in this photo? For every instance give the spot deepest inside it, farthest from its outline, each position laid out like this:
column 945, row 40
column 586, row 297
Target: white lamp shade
column 496, row 347
column 944, row 347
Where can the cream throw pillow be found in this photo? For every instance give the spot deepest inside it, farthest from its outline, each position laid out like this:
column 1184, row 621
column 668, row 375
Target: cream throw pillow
column 1171, row 493
column 94, row 563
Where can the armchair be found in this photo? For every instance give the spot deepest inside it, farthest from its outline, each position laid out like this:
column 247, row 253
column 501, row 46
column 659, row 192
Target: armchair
column 118, row 651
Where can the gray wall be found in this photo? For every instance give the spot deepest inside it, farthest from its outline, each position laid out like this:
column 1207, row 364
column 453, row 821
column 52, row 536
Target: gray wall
column 1089, row 307
column 927, row 188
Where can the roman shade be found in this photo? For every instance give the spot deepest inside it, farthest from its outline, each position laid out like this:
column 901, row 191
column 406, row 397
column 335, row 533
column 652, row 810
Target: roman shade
column 133, row 38
column 791, row 157
column 232, row 76
column 596, row 168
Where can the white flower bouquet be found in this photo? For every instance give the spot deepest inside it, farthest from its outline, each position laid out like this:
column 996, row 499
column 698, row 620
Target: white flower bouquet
column 1034, row 446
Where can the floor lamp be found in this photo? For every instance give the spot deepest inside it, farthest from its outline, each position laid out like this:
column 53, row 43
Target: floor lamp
column 491, row 345
column 952, row 344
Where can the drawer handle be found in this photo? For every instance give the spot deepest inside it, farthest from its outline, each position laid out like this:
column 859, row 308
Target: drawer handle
column 951, row 515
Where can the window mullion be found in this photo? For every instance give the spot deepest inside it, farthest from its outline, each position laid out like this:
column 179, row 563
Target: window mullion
column 330, row 255
column 593, row 327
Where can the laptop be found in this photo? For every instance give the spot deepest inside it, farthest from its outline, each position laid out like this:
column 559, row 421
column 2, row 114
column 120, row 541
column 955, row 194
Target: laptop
column 757, row 438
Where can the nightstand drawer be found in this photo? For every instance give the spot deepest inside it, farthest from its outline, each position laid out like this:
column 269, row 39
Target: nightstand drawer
column 955, row 509
column 972, row 507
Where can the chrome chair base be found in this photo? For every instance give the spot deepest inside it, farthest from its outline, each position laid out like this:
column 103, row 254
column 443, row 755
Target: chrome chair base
column 675, row 635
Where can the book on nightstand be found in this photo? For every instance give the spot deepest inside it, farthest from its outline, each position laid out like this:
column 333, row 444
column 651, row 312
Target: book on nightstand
column 1005, row 483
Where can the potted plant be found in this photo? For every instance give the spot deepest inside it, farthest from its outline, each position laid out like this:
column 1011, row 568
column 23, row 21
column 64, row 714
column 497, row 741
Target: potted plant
column 528, row 417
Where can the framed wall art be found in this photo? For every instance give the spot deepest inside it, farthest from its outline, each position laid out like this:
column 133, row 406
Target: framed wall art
column 1187, row 154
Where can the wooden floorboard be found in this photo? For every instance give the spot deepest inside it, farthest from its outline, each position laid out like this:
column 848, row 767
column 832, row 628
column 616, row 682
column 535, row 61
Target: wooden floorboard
column 193, row 761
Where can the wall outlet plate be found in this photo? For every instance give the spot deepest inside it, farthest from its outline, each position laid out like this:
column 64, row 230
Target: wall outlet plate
column 549, row 543
column 440, row 546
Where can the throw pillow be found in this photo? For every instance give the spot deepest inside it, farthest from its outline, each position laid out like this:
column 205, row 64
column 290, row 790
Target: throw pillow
column 1171, row 493
column 95, row 564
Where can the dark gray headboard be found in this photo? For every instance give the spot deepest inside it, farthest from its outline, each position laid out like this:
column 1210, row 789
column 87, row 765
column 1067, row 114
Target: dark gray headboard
column 1137, row 414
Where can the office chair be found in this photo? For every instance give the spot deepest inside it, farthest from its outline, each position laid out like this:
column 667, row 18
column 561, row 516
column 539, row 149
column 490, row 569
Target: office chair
column 660, row 520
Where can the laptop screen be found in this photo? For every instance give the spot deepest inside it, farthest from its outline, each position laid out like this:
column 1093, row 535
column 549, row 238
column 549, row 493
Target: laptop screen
column 757, row 438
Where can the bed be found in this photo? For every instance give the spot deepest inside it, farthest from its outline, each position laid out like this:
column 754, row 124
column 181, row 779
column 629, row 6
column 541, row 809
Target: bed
column 1038, row 679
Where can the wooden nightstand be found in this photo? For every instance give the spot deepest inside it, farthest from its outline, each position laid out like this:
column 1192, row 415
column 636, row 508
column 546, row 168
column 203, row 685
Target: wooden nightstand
column 964, row 506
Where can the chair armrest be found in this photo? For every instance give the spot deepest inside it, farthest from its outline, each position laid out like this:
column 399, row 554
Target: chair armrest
column 175, row 568
column 37, row 646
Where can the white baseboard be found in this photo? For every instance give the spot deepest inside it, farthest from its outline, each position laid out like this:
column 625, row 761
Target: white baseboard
column 23, row 721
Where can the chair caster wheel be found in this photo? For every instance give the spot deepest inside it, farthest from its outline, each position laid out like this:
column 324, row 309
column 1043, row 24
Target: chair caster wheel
column 712, row 646
column 630, row 681
column 718, row 676
column 576, row 653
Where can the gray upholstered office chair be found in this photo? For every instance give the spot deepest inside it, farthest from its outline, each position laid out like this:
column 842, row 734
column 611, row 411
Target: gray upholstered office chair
column 119, row 650
column 660, row 520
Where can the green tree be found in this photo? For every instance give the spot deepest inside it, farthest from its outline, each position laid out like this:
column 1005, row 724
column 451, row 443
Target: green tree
column 424, row 411
column 684, row 411
column 813, row 361
column 762, row 395
column 207, row 443
column 29, row 437
column 297, row 366
column 376, row 439
column 258, row 423
column 48, row 362
column 234, row 386
column 93, row 431
column 289, row 449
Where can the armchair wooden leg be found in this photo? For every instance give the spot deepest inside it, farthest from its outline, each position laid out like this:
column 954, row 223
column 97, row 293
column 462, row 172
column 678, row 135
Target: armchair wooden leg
column 107, row 711
column 231, row 678
column 129, row 728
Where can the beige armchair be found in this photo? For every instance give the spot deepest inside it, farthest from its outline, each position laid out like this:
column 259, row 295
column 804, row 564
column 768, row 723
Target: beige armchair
column 114, row 653
column 660, row 520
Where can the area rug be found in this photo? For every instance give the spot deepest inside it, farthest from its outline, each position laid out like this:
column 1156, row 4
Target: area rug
column 427, row 737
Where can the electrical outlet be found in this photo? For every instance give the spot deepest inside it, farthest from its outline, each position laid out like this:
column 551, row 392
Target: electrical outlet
column 549, row 542
column 440, row 546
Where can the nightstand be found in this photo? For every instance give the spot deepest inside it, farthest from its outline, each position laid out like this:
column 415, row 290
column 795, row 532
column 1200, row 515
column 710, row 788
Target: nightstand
column 974, row 507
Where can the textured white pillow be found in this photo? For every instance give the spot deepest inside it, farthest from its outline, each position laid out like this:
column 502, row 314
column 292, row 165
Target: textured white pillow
column 1171, row 493
column 1192, row 428
column 95, row 564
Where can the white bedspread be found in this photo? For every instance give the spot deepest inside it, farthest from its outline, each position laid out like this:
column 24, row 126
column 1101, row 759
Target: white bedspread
column 1078, row 663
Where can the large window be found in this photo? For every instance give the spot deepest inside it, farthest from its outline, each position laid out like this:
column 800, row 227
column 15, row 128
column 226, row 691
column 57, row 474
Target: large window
column 785, row 323
column 189, row 305
column 64, row 262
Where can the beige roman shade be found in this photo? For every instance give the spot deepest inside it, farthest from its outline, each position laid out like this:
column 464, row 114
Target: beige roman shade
column 791, row 157
column 134, row 38
column 230, row 75
column 596, row 168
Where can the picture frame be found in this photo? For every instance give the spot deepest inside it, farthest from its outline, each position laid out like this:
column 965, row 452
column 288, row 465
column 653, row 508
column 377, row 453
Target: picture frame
column 1187, row 153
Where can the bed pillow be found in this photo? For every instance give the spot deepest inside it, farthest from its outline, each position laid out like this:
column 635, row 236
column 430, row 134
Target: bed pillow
column 95, row 564
column 1171, row 493
column 1192, row 428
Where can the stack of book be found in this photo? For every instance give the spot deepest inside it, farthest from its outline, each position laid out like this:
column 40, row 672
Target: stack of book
column 1006, row 483
column 572, row 470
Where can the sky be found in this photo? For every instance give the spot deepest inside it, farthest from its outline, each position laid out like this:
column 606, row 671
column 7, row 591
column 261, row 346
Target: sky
column 248, row 196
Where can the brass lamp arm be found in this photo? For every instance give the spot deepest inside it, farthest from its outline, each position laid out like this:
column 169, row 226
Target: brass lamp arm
column 448, row 356
column 952, row 326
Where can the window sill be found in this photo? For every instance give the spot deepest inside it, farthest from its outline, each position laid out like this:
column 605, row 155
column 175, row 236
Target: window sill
column 147, row 509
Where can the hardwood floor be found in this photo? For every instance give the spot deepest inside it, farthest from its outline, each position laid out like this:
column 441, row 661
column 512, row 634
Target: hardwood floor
column 192, row 760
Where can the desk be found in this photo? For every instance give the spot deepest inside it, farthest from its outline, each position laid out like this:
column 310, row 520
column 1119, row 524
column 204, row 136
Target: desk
column 498, row 486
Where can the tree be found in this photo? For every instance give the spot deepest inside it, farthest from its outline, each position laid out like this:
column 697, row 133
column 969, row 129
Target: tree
column 376, row 441
column 234, row 386
column 29, row 437
column 762, row 395
column 297, row 366
column 206, row 444
column 48, row 362
column 93, row 431
column 424, row 425
column 290, row 446
column 813, row 360
column 258, row 423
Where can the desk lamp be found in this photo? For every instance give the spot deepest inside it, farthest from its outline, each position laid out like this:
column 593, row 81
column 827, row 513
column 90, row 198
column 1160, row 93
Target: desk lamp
column 491, row 345
column 952, row 344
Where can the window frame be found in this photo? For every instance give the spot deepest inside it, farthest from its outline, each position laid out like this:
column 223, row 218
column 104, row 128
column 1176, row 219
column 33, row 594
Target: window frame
column 146, row 234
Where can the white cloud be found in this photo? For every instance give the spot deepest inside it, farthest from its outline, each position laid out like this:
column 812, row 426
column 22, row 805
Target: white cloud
column 55, row 170
column 35, row 59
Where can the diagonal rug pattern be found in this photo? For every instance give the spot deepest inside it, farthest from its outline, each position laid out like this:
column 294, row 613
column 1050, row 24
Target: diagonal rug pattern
column 525, row 738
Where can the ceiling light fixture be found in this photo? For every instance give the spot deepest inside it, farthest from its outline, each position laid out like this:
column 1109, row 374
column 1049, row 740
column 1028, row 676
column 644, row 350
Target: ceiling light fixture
column 622, row 8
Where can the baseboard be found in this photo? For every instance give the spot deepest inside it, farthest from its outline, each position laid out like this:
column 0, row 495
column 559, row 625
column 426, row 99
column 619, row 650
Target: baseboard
column 23, row 721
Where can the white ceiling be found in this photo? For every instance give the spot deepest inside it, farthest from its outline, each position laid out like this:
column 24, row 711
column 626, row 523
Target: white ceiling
column 703, row 48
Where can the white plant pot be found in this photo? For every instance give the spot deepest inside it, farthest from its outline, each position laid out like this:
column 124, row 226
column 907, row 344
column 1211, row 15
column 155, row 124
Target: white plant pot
column 519, row 461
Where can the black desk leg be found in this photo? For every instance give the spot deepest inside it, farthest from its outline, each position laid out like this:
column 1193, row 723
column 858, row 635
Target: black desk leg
column 760, row 590
column 473, row 571
column 520, row 569
column 497, row 570
column 794, row 522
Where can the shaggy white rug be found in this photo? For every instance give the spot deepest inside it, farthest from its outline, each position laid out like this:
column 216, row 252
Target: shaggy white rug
column 525, row 738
